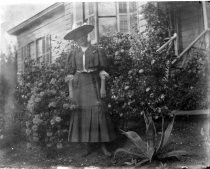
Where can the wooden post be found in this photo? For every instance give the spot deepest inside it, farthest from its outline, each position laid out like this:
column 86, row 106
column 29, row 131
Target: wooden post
column 207, row 39
column 83, row 12
column 97, row 24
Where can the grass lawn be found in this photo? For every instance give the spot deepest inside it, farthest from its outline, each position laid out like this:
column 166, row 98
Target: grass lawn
column 187, row 134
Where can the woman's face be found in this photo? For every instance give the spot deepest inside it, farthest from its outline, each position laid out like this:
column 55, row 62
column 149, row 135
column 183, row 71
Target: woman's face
column 83, row 41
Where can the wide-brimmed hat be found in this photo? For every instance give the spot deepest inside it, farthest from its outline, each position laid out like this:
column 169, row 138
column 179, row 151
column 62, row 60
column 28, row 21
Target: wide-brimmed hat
column 78, row 32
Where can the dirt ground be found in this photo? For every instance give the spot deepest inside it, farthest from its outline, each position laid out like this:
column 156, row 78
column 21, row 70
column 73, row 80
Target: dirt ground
column 189, row 133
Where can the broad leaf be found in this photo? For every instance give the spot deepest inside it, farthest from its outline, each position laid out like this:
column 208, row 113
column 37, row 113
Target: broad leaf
column 176, row 153
column 128, row 152
column 146, row 120
column 167, row 133
column 136, row 139
column 150, row 140
column 142, row 162
column 162, row 137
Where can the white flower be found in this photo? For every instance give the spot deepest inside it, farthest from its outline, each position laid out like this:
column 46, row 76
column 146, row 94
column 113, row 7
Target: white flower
column 66, row 106
column 142, row 112
column 28, row 132
column 57, row 119
column 147, row 89
column 152, row 62
column 122, row 50
column 141, row 70
column 2, row 137
column 49, row 134
column 116, row 53
column 35, row 128
column 28, row 145
column 126, row 87
column 59, row 145
column 49, row 145
column 35, row 120
column 27, row 124
column 162, row 96
column 52, row 122
column 53, row 80
column 109, row 105
column 52, row 104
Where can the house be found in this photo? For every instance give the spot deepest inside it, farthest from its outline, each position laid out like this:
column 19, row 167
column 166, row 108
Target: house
column 39, row 36
column 190, row 20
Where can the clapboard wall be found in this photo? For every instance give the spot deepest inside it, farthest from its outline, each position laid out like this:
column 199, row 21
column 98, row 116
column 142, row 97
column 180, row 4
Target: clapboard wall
column 191, row 22
column 49, row 25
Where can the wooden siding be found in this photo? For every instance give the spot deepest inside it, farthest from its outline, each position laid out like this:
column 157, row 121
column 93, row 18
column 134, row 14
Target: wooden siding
column 208, row 12
column 54, row 25
column 68, row 16
column 191, row 22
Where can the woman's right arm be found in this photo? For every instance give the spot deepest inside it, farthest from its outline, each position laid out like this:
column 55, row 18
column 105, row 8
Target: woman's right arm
column 70, row 71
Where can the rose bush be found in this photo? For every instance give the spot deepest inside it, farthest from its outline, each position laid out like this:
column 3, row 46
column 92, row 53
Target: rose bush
column 43, row 93
column 143, row 80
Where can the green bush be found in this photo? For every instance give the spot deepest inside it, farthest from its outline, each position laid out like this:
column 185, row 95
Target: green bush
column 143, row 80
column 43, row 93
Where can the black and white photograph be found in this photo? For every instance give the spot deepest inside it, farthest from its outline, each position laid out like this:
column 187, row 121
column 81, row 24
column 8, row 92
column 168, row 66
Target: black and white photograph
column 105, row 84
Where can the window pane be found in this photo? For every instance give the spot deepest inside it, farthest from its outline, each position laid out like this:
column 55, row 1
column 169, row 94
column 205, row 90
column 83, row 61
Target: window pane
column 106, row 9
column 107, row 26
column 122, row 7
column 91, row 8
column 78, row 11
column 32, row 51
column 39, row 47
column 92, row 22
column 133, row 6
column 123, row 23
column 86, row 9
column 133, row 22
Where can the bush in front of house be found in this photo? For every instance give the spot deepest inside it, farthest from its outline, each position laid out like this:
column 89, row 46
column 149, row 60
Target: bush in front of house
column 43, row 94
column 142, row 80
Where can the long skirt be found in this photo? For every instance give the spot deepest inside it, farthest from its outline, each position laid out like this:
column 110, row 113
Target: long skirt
column 91, row 121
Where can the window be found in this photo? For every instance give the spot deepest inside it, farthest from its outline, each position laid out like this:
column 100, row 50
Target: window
column 127, row 16
column 90, row 19
column 92, row 22
column 132, row 7
column 79, row 13
column 38, row 50
column 122, row 7
column 107, row 26
column 106, row 9
column 32, row 51
column 123, row 23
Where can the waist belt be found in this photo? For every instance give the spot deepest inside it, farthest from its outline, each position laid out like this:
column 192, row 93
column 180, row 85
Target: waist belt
column 87, row 70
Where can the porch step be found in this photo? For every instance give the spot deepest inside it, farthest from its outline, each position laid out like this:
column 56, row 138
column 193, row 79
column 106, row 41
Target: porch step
column 191, row 112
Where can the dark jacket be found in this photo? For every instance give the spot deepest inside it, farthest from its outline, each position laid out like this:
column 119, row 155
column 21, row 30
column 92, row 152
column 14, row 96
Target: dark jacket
column 95, row 58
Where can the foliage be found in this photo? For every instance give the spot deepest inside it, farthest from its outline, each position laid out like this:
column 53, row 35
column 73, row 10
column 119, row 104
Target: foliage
column 152, row 148
column 43, row 93
column 143, row 80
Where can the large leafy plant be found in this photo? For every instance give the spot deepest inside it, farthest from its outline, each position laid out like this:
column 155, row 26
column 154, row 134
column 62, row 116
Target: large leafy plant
column 153, row 148
column 43, row 94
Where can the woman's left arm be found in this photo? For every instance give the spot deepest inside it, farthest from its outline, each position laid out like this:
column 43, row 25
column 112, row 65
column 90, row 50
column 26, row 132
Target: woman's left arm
column 103, row 72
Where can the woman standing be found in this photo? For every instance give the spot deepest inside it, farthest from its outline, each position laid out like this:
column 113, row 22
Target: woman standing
column 87, row 71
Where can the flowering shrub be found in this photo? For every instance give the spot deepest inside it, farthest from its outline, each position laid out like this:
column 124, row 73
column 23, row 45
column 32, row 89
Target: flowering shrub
column 44, row 94
column 143, row 80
